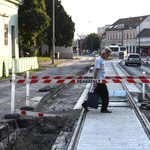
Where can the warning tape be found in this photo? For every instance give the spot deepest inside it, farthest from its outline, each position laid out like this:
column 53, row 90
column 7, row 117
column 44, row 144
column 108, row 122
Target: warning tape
column 89, row 77
column 61, row 78
column 142, row 80
column 57, row 77
column 31, row 113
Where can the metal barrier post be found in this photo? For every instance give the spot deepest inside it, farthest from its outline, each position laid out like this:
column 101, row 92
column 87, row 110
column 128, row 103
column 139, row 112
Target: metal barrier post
column 27, row 90
column 13, row 94
column 143, row 86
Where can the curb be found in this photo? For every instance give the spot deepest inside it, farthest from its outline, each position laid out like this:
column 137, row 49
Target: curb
column 51, row 93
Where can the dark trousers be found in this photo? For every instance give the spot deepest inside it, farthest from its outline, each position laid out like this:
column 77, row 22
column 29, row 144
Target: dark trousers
column 102, row 90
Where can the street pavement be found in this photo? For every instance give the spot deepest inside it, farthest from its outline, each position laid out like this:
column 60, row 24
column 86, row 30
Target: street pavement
column 35, row 95
column 67, row 66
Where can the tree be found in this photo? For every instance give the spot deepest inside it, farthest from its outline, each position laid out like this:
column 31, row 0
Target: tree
column 64, row 26
column 92, row 40
column 33, row 22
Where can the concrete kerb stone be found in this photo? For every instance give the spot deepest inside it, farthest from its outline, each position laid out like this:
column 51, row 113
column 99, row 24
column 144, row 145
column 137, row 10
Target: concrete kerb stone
column 50, row 94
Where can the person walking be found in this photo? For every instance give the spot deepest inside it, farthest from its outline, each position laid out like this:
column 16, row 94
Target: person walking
column 99, row 73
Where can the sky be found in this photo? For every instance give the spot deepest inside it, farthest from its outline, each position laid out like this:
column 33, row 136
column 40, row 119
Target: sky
column 88, row 15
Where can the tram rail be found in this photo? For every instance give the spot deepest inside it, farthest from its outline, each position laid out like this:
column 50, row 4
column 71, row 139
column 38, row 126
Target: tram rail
column 143, row 120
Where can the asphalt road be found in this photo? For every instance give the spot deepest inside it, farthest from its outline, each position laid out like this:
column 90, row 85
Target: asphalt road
column 134, row 70
column 69, row 68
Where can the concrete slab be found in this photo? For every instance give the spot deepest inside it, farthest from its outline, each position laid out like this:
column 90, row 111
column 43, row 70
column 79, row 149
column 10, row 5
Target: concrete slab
column 117, row 93
column 120, row 130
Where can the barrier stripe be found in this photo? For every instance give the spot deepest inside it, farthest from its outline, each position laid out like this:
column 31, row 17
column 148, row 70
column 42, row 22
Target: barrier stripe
column 36, row 114
column 83, row 81
column 89, row 77
column 57, row 77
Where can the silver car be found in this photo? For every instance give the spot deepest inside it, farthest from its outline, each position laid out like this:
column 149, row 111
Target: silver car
column 133, row 58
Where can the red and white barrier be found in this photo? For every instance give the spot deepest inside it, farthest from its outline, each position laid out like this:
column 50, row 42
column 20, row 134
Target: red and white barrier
column 144, row 80
column 56, row 77
column 147, row 59
column 69, row 79
column 84, row 77
column 36, row 114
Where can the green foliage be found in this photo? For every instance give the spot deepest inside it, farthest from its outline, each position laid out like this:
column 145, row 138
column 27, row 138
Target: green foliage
column 35, row 52
column 44, row 58
column 64, row 26
column 27, row 51
column 95, row 41
column 33, row 22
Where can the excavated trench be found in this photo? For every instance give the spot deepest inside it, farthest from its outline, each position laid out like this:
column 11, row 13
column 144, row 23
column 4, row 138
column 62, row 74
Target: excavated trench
column 38, row 133
column 45, row 133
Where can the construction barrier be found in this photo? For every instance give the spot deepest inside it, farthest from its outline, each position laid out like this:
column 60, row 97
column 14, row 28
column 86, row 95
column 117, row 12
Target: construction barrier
column 87, row 77
column 147, row 59
column 82, row 81
column 35, row 114
column 70, row 79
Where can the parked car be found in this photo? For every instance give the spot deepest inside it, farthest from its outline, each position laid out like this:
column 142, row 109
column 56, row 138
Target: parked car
column 133, row 58
column 94, row 53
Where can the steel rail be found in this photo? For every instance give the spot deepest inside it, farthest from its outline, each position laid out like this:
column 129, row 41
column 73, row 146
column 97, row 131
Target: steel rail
column 145, row 123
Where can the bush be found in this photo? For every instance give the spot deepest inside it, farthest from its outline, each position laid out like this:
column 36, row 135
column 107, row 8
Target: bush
column 27, row 51
column 35, row 52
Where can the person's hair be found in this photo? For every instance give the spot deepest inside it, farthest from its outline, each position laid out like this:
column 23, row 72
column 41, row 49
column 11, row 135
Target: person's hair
column 106, row 50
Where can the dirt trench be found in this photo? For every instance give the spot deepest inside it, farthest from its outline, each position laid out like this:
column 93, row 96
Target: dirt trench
column 41, row 133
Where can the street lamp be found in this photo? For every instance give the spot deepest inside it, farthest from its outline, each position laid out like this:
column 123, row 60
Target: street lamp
column 139, row 35
column 53, row 52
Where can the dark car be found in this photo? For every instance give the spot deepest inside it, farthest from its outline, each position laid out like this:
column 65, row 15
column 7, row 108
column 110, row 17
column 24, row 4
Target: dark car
column 133, row 59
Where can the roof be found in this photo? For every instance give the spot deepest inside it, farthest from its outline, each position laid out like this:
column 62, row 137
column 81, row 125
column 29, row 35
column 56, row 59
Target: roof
column 144, row 33
column 126, row 23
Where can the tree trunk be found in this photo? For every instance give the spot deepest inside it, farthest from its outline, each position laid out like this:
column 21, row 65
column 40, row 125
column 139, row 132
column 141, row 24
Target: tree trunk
column 20, row 51
column 40, row 51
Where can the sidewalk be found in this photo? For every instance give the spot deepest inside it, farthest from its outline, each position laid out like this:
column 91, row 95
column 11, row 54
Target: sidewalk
column 119, row 130
column 49, row 64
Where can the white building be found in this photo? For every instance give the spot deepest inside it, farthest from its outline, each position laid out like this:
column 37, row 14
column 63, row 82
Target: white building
column 9, row 28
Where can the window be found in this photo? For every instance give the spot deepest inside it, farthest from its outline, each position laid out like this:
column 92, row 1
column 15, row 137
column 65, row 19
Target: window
column 107, row 36
column 130, row 35
column 127, row 36
column 134, row 35
column 116, row 36
column 114, row 49
column 5, row 34
column 110, row 37
column 119, row 36
column 134, row 56
column 124, row 35
column 113, row 36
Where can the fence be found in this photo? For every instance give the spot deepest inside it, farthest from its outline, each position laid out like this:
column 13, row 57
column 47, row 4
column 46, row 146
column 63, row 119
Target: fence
column 17, row 65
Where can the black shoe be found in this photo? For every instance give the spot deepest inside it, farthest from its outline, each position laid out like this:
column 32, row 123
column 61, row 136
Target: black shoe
column 85, row 107
column 106, row 111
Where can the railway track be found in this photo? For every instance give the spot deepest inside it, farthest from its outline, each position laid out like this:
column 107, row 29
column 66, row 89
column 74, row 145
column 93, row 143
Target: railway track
column 143, row 120
column 75, row 119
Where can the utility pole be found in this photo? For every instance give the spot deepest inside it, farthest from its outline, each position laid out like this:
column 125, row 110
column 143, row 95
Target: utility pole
column 53, row 40
column 139, row 35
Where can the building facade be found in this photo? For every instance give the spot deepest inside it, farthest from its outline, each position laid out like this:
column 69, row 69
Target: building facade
column 124, row 32
column 9, row 28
